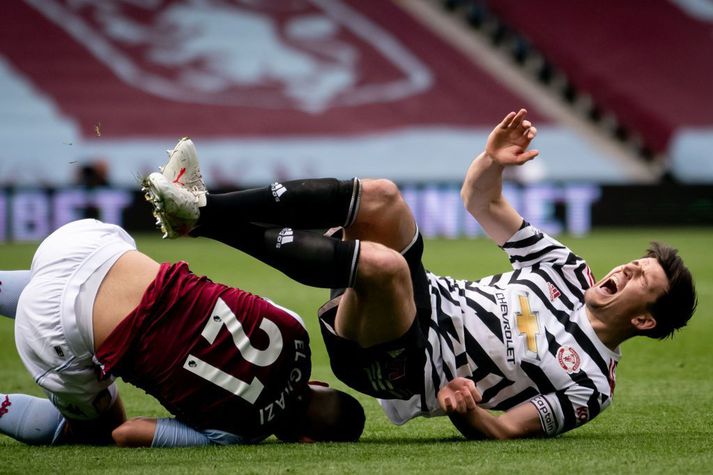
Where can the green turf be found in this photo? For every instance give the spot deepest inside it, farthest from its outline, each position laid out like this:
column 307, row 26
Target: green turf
column 661, row 420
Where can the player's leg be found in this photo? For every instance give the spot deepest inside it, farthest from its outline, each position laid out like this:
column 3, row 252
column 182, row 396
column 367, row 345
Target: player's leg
column 383, row 303
column 12, row 282
column 373, row 332
column 380, row 306
column 380, row 215
column 369, row 210
column 302, row 204
column 383, row 216
column 25, row 418
column 55, row 352
column 30, row 419
column 305, row 256
column 374, row 211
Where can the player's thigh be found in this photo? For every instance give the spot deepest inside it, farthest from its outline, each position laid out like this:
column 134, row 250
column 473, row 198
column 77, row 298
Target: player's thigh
column 380, row 307
column 383, row 216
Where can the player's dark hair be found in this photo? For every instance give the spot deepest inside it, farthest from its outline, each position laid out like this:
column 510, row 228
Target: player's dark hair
column 346, row 422
column 328, row 415
column 676, row 306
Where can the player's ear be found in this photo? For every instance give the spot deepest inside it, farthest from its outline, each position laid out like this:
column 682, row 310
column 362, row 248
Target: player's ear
column 643, row 322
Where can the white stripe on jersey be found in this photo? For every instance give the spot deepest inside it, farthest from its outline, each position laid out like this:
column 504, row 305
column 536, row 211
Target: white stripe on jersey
column 521, row 336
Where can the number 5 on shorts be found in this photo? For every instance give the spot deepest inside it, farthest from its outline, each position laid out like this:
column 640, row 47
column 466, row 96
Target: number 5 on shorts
column 223, row 316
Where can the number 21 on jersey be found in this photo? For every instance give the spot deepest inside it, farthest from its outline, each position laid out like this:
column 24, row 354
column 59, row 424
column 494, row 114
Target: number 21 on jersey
column 221, row 316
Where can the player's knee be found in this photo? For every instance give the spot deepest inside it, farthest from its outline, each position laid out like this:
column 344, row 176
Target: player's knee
column 380, row 195
column 382, row 267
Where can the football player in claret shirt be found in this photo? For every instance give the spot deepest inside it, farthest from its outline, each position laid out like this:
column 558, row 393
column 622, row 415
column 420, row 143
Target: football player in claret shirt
column 232, row 367
column 540, row 343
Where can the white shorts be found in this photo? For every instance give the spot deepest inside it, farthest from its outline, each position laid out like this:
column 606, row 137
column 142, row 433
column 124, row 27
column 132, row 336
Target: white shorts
column 53, row 327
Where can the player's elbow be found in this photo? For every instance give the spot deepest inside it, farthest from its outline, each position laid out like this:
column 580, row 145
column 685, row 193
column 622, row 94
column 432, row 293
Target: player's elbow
column 477, row 204
column 122, row 436
column 467, row 195
column 131, row 433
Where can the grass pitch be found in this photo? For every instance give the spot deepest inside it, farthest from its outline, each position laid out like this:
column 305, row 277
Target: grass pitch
column 661, row 420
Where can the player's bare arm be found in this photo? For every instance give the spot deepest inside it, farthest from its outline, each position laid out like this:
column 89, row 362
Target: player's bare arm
column 482, row 189
column 136, row 432
column 459, row 399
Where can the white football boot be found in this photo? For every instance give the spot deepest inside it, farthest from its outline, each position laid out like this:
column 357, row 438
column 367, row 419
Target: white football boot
column 174, row 207
column 182, row 169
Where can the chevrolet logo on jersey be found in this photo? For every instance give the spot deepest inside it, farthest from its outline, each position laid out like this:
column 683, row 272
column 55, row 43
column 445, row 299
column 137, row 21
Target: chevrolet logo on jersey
column 527, row 323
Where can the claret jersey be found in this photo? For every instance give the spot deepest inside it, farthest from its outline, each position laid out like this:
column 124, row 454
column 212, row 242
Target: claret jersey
column 216, row 357
column 522, row 336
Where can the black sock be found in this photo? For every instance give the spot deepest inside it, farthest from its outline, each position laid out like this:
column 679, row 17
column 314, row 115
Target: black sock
column 305, row 256
column 300, row 204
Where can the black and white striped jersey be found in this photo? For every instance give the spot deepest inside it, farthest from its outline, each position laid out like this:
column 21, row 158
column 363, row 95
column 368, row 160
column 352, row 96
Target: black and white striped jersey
column 521, row 336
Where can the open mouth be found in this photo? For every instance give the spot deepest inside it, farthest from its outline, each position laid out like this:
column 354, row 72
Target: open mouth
column 610, row 286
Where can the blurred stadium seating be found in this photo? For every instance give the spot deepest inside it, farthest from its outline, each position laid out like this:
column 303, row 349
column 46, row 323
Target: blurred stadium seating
column 276, row 90
column 640, row 69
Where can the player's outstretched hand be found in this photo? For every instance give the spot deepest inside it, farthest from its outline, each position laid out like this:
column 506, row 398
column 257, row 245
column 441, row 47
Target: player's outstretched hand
column 507, row 143
column 459, row 395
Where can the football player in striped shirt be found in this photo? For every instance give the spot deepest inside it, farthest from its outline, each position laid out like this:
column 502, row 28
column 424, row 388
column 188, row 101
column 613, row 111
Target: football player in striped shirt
column 539, row 343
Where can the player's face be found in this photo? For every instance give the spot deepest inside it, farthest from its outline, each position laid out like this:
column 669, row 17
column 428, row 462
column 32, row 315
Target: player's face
column 629, row 289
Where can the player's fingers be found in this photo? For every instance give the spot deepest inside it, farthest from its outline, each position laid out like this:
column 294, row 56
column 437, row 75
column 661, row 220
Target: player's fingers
column 519, row 117
column 527, row 156
column 470, row 404
column 446, row 404
column 466, row 401
column 531, row 132
column 473, row 392
column 454, row 402
column 507, row 120
column 477, row 397
column 460, row 402
column 526, row 124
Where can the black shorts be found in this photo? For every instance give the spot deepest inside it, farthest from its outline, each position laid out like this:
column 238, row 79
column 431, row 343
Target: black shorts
column 391, row 370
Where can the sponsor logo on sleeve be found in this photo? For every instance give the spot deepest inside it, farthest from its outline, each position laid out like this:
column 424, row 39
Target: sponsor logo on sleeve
column 582, row 414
